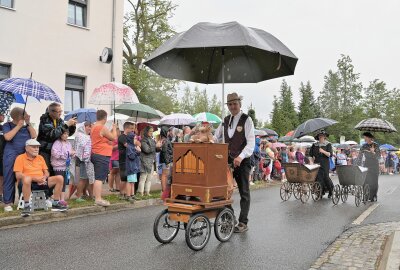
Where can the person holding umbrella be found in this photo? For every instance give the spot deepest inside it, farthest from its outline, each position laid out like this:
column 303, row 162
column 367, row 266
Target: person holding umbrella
column 51, row 127
column 369, row 157
column 16, row 133
column 238, row 132
column 321, row 151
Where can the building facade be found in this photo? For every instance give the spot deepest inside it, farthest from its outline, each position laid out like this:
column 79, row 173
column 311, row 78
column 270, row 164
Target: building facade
column 60, row 42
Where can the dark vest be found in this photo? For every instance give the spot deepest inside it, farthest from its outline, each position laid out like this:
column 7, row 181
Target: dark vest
column 238, row 142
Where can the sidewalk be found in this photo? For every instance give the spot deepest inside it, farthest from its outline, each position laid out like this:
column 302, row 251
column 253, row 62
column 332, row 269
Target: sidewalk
column 363, row 247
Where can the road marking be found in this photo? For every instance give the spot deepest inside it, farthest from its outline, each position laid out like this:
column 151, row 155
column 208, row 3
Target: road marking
column 365, row 214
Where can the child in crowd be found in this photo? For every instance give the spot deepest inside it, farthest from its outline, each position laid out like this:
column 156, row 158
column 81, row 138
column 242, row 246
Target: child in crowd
column 84, row 173
column 61, row 154
column 132, row 164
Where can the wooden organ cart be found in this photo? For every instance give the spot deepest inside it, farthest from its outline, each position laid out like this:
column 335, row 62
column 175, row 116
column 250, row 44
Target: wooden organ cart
column 199, row 192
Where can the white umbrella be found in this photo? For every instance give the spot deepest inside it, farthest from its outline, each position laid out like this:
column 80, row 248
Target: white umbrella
column 177, row 119
column 119, row 118
column 351, row 143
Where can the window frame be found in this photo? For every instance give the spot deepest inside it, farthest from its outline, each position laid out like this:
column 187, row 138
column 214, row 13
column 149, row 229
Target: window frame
column 84, row 5
column 75, row 88
column 12, row 5
column 9, row 71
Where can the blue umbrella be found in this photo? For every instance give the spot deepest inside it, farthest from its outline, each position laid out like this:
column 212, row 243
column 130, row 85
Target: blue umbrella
column 83, row 115
column 387, row 147
column 29, row 87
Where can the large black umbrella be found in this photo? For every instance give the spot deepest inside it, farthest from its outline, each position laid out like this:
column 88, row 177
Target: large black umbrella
column 376, row 125
column 217, row 53
column 313, row 125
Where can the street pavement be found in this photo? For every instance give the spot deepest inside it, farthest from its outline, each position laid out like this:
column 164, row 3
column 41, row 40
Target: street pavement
column 282, row 235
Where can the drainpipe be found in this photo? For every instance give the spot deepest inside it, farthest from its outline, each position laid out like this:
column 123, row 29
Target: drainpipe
column 113, row 51
column 113, row 40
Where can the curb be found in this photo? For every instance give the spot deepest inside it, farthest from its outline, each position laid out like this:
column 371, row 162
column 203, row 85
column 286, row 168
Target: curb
column 391, row 254
column 49, row 216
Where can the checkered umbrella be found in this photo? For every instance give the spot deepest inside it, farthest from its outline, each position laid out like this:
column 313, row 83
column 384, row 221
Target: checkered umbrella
column 375, row 125
column 29, row 87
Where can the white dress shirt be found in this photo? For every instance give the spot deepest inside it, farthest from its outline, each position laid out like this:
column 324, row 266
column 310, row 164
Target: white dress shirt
column 249, row 133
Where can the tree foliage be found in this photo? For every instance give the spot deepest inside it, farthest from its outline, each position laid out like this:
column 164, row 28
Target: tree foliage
column 284, row 116
column 196, row 101
column 307, row 106
column 252, row 113
column 146, row 27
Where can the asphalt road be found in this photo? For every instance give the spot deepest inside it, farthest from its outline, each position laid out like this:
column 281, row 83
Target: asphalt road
column 282, row 235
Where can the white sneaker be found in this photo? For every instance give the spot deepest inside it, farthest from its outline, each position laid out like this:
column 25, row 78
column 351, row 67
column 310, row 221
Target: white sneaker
column 252, row 183
column 8, row 208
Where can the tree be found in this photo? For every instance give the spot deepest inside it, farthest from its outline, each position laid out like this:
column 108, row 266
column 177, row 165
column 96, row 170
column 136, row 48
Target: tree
column 215, row 106
column 329, row 97
column 197, row 101
column 200, row 103
column 287, row 107
column 340, row 99
column 376, row 99
column 276, row 117
column 252, row 113
column 350, row 89
column 307, row 106
column 146, row 27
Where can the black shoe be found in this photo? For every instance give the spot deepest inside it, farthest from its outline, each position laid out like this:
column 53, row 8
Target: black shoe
column 27, row 211
column 329, row 195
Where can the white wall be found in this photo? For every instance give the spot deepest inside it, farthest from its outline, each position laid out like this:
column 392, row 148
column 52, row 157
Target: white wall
column 35, row 37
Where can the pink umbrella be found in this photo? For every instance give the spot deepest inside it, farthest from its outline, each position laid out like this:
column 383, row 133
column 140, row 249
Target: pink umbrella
column 278, row 144
column 113, row 93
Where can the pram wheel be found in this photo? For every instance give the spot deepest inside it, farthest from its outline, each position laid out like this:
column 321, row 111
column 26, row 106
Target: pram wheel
column 198, row 232
column 336, row 194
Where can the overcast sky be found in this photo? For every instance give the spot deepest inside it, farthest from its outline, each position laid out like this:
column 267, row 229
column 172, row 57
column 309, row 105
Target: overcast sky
column 316, row 31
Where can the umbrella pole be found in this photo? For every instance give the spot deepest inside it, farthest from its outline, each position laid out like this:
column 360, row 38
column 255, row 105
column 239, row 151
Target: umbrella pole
column 223, row 95
column 26, row 100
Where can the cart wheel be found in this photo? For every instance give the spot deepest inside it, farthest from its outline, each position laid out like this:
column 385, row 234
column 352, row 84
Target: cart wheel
column 304, row 192
column 344, row 193
column 165, row 229
column 366, row 193
column 316, row 191
column 224, row 225
column 358, row 195
column 285, row 191
column 336, row 194
column 297, row 190
column 198, row 232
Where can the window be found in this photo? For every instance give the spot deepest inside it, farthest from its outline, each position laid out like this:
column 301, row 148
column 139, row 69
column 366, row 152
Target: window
column 7, row 3
column 77, row 10
column 74, row 91
column 4, row 71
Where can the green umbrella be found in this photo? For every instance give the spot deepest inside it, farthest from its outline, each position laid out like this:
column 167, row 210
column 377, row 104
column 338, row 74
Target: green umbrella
column 138, row 110
column 207, row 117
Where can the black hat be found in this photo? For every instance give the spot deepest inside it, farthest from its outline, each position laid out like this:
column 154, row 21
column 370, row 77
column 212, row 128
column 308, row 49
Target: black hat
column 369, row 135
column 321, row 132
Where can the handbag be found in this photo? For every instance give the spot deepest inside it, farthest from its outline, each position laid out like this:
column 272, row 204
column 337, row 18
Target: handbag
column 277, row 165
